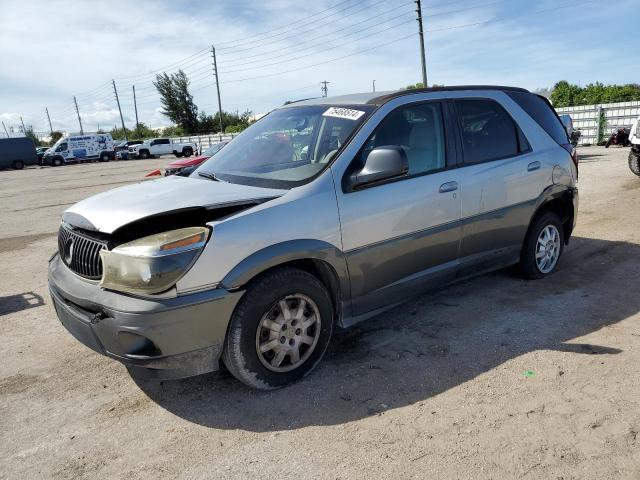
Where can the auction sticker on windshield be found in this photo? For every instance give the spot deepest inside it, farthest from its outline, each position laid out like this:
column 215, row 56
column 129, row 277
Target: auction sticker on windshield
column 347, row 113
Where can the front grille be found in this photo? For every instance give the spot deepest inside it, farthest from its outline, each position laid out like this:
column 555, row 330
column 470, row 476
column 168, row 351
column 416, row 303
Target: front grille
column 80, row 253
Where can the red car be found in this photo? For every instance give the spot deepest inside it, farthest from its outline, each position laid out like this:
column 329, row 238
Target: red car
column 184, row 166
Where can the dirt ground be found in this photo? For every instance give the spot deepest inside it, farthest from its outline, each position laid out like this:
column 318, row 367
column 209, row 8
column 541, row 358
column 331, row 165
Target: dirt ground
column 495, row 377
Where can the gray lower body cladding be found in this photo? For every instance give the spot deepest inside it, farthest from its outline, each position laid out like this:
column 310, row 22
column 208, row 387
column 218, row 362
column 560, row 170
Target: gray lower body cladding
column 167, row 338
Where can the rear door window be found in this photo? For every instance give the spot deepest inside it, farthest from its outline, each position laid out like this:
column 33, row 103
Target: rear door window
column 542, row 112
column 488, row 131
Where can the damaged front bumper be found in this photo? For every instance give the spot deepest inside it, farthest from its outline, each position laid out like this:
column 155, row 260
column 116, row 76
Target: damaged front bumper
column 160, row 338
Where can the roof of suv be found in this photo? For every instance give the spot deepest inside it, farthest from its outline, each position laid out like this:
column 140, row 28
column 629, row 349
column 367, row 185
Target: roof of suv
column 379, row 98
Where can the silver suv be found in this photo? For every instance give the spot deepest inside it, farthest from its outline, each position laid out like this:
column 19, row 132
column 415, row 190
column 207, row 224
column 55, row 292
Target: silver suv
column 320, row 215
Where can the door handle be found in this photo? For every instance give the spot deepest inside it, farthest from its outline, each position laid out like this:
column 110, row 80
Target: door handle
column 448, row 187
column 533, row 166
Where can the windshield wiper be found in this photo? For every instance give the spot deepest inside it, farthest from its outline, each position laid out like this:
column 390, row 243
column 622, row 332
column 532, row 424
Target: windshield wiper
column 210, row 176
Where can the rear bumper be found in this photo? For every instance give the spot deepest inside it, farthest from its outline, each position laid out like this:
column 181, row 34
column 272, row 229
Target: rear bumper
column 163, row 338
column 576, row 204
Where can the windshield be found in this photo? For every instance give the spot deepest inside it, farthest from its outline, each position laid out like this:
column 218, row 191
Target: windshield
column 288, row 147
column 213, row 149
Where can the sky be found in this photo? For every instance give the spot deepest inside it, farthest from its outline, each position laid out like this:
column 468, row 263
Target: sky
column 271, row 51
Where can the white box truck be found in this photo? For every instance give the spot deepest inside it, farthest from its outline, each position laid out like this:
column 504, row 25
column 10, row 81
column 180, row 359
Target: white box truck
column 82, row 148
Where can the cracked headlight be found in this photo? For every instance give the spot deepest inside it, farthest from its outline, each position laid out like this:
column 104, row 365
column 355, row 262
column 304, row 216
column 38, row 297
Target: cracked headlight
column 152, row 264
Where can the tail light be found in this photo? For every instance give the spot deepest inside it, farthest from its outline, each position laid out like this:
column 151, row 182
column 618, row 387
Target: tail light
column 574, row 155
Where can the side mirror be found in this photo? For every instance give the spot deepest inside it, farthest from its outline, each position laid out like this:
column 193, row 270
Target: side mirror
column 382, row 163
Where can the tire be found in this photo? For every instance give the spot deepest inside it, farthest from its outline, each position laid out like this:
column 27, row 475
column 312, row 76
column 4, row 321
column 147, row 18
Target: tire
column 178, row 154
column 263, row 302
column 56, row 162
column 144, row 154
column 606, row 145
column 105, row 157
column 532, row 268
column 17, row 165
column 187, row 152
column 634, row 163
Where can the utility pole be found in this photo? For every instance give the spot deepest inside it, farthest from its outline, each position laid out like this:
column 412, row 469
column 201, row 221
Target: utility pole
column 24, row 130
column 374, row 86
column 215, row 72
column 421, row 34
column 135, row 106
column 324, row 88
column 115, row 91
column 5, row 129
column 48, row 118
column 78, row 112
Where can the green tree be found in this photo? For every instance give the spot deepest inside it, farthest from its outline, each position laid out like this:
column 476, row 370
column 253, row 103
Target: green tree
column 565, row 94
column 55, row 136
column 29, row 133
column 141, row 132
column 174, row 131
column 231, row 122
column 177, row 102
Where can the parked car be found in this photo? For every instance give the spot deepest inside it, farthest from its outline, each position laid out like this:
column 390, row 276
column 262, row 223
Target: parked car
column 78, row 149
column 122, row 148
column 162, row 146
column 17, row 152
column 619, row 136
column 320, row 215
column 185, row 166
column 40, row 151
column 634, row 154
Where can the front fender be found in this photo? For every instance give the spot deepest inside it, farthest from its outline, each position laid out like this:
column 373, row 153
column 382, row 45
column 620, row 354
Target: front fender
column 284, row 252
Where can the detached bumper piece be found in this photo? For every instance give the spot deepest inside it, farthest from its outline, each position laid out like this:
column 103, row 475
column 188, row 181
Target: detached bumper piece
column 164, row 338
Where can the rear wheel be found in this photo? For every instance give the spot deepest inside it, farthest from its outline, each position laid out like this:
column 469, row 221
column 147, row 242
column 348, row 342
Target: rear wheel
column 17, row 165
column 187, row 152
column 542, row 247
column 279, row 330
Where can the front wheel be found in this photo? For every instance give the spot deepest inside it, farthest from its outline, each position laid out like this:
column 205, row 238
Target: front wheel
column 144, row 155
column 634, row 163
column 105, row 157
column 279, row 330
column 542, row 247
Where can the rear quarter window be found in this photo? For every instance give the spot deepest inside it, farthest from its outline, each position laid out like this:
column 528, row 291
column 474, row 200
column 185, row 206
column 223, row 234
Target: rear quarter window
column 542, row 112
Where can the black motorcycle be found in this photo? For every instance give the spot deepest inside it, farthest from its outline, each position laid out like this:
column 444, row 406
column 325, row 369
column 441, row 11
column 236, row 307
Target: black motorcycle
column 620, row 137
column 575, row 137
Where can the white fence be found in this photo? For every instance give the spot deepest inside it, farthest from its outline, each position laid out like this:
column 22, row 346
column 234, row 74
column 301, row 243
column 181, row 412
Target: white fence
column 586, row 118
column 204, row 141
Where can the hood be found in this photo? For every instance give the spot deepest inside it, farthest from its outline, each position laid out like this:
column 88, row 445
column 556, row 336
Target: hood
column 108, row 211
column 187, row 162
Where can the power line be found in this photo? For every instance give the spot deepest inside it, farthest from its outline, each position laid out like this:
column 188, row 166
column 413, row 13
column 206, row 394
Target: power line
column 322, row 36
column 320, row 63
column 298, row 32
column 323, row 50
column 288, row 25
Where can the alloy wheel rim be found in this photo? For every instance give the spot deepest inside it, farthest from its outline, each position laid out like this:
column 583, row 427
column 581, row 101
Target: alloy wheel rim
column 548, row 249
column 288, row 333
